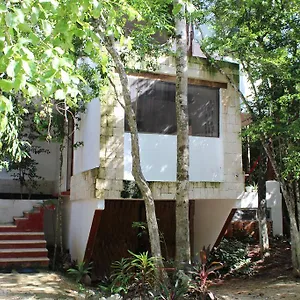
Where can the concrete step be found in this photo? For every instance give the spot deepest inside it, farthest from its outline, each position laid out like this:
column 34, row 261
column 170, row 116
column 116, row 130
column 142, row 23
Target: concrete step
column 22, row 235
column 8, row 228
column 26, row 252
column 40, row 262
column 17, row 244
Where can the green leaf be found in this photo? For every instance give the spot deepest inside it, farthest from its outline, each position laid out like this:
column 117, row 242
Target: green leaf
column 5, row 104
column 10, row 70
column 47, row 27
column 24, row 27
column 20, row 81
column 26, row 67
column 50, row 73
column 88, row 47
column 3, row 123
column 19, row 16
column 6, row 85
column 32, row 90
column 176, row 9
column 11, row 20
column 28, row 53
column 65, row 77
column 55, row 63
column 35, row 15
column 59, row 50
column 60, row 94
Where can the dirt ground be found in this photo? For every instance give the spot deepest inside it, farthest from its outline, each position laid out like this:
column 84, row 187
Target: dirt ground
column 246, row 289
column 42, row 285
column 271, row 277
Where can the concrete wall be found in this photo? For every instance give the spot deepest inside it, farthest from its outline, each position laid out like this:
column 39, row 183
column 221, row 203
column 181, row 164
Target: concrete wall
column 158, row 157
column 209, row 219
column 78, row 217
column 14, row 208
column 216, row 163
column 86, row 157
column 48, row 168
column 274, row 202
column 79, row 211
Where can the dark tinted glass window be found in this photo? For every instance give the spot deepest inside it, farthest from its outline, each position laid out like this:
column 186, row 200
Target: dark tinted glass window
column 154, row 104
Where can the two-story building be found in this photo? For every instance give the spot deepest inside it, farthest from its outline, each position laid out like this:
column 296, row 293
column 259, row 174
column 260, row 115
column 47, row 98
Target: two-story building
column 104, row 201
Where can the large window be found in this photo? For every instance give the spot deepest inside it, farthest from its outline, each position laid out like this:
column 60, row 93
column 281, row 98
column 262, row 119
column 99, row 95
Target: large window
column 154, row 104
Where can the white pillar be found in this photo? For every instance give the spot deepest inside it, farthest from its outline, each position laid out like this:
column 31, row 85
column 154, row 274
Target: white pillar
column 274, row 201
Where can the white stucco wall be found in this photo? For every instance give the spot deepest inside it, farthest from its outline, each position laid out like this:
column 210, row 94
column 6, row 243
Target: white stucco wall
column 274, row 202
column 48, row 164
column 48, row 168
column 78, row 217
column 86, row 157
column 209, row 219
column 158, row 158
column 14, row 208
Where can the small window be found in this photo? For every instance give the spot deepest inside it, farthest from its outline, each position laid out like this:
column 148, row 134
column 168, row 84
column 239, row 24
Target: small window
column 154, row 105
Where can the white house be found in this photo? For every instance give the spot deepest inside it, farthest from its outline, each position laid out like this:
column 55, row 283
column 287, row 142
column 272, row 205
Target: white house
column 100, row 210
column 102, row 201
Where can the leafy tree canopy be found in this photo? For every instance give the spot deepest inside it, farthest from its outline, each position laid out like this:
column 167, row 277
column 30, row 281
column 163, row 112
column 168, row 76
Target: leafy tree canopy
column 41, row 42
column 264, row 36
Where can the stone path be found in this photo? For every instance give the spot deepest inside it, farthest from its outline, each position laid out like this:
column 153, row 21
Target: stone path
column 42, row 285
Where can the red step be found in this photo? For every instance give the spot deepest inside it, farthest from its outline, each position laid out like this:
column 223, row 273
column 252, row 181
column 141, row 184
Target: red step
column 26, row 235
column 23, row 244
column 24, row 262
column 8, row 228
column 19, row 244
column 28, row 252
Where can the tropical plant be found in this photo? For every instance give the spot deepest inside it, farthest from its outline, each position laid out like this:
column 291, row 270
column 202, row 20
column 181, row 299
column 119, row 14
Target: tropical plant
column 200, row 274
column 177, row 289
column 233, row 254
column 132, row 276
column 80, row 271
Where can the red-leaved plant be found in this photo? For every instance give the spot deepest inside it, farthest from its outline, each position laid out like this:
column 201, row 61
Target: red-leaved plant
column 201, row 274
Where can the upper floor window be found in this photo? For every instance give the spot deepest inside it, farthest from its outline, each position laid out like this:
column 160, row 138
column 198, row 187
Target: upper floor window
column 154, row 105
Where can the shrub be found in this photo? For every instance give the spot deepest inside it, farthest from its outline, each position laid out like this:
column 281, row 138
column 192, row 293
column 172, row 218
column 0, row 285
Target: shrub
column 233, row 254
column 133, row 276
column 80, row 271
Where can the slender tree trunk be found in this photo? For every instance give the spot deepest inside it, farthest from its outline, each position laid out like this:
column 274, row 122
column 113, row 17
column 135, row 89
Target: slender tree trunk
column 262, row 206
column 297, row 195
column 291, row 208
column 135, row 151
column 295, row 234
column 183, row 251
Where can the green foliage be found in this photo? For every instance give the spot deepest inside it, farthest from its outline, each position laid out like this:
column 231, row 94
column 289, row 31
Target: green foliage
column 130, row 190
column 135, row 275
column 80, row 271
column 264, row 38
column 177, row 289
column 41, row 43
column 233, row 254
column 201, row 273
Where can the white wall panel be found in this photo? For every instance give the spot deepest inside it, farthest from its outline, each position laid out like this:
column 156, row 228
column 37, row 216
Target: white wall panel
column 87, row 157
column 158, row 158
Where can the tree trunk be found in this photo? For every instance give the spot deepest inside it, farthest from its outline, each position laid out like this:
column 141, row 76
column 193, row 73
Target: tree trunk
column 183, row 251
column 262, row 206
column 291, row 208
column 135, row 151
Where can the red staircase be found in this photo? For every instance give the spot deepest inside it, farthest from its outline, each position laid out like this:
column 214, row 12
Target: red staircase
column 23, row 244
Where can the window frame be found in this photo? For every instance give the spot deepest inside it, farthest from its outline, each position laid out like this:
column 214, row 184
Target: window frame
column 191, row 81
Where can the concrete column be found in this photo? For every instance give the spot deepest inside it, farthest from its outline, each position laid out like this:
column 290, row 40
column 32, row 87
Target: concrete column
column 274, row 201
